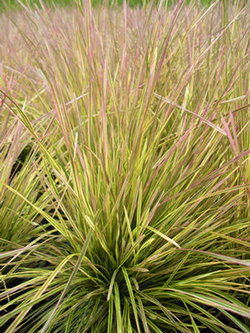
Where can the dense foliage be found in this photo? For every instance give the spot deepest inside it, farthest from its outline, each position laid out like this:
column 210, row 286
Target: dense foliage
column 124, row 169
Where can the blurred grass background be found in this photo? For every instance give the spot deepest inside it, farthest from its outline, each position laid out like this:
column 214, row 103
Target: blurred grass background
column 132, row 3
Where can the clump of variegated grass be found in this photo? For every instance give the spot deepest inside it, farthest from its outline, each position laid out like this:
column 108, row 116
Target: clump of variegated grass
column 131, row 210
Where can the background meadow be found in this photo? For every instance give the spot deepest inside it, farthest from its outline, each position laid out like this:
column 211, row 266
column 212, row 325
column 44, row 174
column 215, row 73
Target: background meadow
column 124, row 168
column 63, row 3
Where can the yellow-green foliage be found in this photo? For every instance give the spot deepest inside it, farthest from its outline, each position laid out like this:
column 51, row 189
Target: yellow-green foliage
column 124, row 169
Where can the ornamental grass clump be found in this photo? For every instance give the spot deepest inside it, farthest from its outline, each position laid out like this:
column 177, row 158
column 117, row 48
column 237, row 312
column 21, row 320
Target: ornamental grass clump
column 124, row 168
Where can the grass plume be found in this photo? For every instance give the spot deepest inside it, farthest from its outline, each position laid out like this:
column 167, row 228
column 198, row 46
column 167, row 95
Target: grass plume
column 124, row 168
